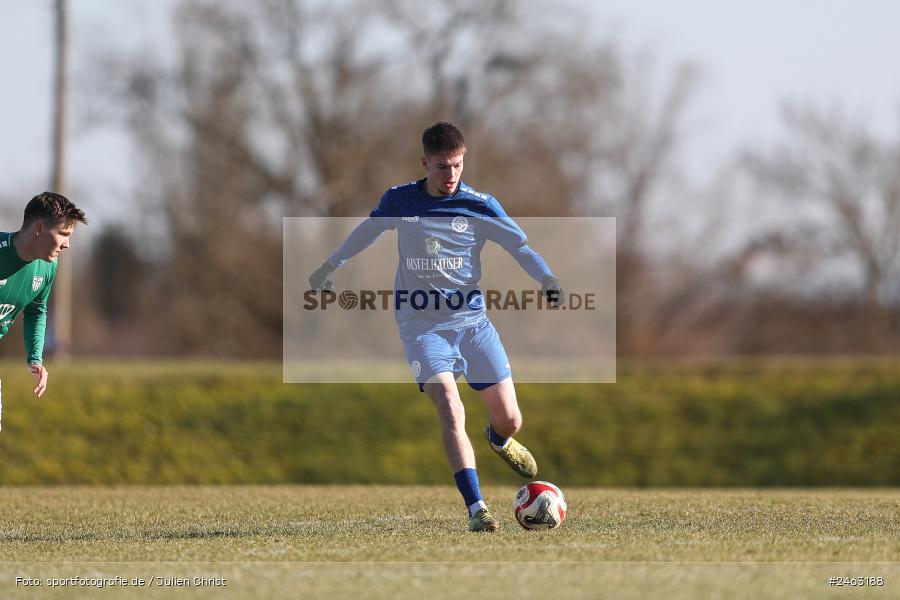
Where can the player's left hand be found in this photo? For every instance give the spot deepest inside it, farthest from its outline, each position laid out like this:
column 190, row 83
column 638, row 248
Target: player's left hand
column 40, row 375
column 552, row 291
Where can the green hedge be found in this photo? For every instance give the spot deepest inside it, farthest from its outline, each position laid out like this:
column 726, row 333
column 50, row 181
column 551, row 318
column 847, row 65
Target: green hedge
column 761, row 423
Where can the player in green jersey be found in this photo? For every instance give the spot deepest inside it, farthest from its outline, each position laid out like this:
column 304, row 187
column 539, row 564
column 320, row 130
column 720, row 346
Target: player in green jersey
column 28, row 267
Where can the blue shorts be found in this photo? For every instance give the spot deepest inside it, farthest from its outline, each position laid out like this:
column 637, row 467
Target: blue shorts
column 475, row 352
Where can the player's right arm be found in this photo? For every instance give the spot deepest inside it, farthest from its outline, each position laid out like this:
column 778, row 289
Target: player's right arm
column 35, row 325
column 365, row 234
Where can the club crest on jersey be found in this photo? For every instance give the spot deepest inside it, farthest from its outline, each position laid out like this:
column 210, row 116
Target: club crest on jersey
column 2, row 282
column 432, row 246
column 460, row 224
column 37, row 282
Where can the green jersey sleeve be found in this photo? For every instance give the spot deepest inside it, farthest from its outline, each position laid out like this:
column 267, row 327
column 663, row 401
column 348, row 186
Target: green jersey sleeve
column 35, row 323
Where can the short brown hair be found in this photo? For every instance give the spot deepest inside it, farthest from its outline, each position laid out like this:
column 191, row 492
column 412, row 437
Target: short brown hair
column 441, row 138
column 52, row 207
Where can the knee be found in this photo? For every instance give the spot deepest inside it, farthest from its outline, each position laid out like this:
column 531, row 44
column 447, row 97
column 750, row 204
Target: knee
column 509, row 424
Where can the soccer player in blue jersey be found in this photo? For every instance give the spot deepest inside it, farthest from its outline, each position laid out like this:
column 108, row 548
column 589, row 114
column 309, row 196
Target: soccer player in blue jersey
column 442, row 224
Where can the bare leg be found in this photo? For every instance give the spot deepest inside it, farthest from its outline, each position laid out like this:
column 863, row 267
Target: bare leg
column 506, row 420
column 443, row 392
column 505, row 416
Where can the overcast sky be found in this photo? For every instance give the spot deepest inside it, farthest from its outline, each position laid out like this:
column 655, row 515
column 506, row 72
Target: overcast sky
column 753, row 55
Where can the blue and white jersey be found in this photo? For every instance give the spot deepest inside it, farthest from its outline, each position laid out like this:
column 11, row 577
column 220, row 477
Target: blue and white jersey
column 439, row 240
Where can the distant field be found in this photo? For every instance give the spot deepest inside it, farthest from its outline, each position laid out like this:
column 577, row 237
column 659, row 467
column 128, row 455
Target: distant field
column 384, row 541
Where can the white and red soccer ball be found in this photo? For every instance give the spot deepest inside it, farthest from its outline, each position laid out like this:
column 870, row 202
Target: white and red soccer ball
column 540, row 505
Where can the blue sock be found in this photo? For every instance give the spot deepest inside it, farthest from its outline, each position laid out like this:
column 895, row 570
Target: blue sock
column 496, row 438
column 467, row 483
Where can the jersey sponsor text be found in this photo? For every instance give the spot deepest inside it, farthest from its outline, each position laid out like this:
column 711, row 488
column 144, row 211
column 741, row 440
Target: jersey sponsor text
column 434, row 264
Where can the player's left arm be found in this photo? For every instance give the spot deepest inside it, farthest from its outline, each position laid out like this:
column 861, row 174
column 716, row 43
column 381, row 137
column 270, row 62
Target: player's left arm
column 35, row 326
column 502, row 229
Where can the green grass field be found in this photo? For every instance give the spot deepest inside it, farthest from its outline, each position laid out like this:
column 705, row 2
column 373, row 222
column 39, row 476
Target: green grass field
column 242, row 438
column 396, row 541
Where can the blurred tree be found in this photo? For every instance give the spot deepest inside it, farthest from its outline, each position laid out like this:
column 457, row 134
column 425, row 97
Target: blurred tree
column 286, row 108
column 119, row 276
column 840, row 183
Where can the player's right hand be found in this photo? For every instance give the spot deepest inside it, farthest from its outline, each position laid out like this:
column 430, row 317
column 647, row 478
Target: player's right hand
column 40, row 376
column 319, row 279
